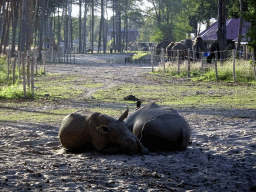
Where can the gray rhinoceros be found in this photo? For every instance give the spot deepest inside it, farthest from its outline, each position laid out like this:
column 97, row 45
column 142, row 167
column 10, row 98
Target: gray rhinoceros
column 100, row 132
column 159, row 128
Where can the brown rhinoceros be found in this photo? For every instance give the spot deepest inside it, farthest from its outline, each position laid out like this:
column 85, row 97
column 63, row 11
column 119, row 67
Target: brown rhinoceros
column 159, row 129
column 100, row 132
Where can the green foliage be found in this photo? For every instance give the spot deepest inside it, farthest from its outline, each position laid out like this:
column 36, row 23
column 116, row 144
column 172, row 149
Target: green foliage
column 250, row 16
column 3, row 70
column 13, row 91
column 244, row 72
column 140, row 55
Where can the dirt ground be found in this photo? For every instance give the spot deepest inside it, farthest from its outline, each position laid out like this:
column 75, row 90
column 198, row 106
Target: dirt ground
column 220, row 158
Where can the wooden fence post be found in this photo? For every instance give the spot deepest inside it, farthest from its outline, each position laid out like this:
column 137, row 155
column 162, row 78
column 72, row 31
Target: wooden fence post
column 13, row 71
column 246, row 52
column 52, row 54
column 35, row 64
column 28, row 70
column 43, row 56
column 216, row 70
column 32, row 75
column 234, row 66
column 24, row 73
column 202, row 60
column 162, row 58
column 8, row 66
column 188, row 62
column 67, row 55
column 253, row 60
column 19, row 63
column 152, row 61
column 178, row 57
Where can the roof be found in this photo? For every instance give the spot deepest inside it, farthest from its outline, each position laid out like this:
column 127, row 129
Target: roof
column 232, row 26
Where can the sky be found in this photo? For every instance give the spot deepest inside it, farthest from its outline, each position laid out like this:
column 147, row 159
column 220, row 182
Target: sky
column 75, row 8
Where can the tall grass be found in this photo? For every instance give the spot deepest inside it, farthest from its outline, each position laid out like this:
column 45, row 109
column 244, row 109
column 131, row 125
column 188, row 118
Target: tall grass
column 7, row 90
column 3, row 70
column 140, row 55
column 243, row 70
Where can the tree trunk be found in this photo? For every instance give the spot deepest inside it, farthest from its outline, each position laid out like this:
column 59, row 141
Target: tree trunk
column 5, row 19
column 2, row 22
column 240, row 27
column 92, row 33
column 41, row 29
column 114, row 30
column 105, row 33
column 85, row 20
column 221, row 33
column 80, row 26
column 101, row 26
column 14, row 26
column 23, row 26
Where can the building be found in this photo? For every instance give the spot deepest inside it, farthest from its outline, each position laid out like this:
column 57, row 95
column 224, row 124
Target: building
column 209, row 35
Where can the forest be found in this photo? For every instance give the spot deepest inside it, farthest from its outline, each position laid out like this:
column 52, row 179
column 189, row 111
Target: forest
column 26, row 24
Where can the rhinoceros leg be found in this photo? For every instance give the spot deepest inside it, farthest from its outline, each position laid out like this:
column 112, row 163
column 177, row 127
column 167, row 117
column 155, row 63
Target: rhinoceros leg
column 164, row 135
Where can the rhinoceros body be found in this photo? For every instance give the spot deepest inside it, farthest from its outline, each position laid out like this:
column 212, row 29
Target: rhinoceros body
column 98, row 131
column 159, row 128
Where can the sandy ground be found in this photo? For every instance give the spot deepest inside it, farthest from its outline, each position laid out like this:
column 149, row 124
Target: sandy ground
column 220, row 158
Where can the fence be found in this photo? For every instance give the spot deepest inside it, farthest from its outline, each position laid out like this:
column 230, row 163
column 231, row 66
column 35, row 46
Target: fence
column 242, row 64
column 26, row 65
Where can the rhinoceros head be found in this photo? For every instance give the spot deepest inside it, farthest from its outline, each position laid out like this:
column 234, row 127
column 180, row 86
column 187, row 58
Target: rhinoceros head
column 118, row 134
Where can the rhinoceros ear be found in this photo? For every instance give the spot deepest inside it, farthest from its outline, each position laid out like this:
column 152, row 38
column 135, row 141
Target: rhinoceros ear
column 124, row 115
column 103, row 129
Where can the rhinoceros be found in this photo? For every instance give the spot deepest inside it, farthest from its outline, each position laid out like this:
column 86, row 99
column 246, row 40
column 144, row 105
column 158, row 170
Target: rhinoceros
column 100, row 132
column 159, row 129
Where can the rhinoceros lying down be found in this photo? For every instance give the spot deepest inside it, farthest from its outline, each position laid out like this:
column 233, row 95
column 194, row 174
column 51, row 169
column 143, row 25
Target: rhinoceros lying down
column 159, row 128
column 100, row 132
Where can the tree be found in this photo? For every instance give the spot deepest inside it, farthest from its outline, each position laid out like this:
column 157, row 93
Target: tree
column 221, row 33
column 250, row 16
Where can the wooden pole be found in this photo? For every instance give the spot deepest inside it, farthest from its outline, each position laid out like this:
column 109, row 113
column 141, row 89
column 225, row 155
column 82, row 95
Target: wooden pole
column 152, row 61
column 28, row 70
column 246, row 52
column 32, row 75
column 188, row 62
column 253, row 60
column 162, row 58
column 24, row 73
column 19, row 63
column 35, row 64
column 178, row 57
column 234, row 66
column 13, row 71
column 52, row 54
column 43, row 56
column 8, row 66
column 202, row 60
column 216, row 70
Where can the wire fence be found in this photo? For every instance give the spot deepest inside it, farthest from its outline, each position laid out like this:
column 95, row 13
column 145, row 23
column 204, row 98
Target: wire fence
column 238, row 64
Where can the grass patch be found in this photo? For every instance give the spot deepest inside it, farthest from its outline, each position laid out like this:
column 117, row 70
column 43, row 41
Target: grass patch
column 140, row 55
column 244, row 71
column 54, row 86
column 16, row 115
column 13, row 91
column 189, row 94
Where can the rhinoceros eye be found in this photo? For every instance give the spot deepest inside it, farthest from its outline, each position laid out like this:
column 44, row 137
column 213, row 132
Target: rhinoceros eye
column 103, row 129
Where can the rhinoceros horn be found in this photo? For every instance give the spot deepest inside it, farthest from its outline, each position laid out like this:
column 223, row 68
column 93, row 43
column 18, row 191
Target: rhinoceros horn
column 124, row 115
